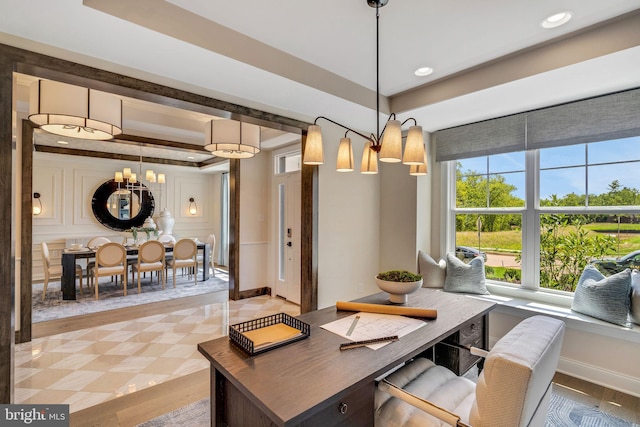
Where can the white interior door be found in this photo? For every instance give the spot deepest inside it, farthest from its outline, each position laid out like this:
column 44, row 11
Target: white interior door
column 289, row 219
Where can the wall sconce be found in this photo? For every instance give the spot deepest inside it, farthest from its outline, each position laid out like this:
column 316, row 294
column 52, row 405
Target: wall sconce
column 193, row 208
column 37, row 204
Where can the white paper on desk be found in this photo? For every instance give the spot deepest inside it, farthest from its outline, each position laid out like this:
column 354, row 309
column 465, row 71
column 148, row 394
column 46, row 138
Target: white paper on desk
column 374, row 325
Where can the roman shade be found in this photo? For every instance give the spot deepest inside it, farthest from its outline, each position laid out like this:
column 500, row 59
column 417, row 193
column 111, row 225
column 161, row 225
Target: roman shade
column 601, row 118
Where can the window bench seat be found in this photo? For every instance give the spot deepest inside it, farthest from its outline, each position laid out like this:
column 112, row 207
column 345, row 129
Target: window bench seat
column 593, row 350
column 528, row 303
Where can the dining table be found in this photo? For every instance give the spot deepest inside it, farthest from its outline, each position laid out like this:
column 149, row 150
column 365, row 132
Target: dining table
column 69, row 257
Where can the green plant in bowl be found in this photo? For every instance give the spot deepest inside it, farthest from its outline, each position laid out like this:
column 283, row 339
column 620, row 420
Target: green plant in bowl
column 398, row 284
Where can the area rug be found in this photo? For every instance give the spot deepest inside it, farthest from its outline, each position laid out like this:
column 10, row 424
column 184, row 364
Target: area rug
column 111, row 295
column 563, row 412
column 196, row 414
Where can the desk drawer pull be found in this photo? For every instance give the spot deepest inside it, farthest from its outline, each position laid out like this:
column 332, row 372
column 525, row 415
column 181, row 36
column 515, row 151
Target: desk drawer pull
column 343, row 408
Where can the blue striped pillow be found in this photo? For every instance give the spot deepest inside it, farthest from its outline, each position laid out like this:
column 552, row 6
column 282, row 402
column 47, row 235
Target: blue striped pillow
column 467, row 278
column 605, row 298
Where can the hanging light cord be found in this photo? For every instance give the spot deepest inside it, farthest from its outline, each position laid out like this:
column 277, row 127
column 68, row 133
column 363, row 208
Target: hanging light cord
column 376, row 143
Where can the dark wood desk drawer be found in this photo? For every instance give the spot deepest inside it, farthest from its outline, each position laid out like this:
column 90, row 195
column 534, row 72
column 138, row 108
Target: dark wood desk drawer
column 355, row 409
column 470, row 334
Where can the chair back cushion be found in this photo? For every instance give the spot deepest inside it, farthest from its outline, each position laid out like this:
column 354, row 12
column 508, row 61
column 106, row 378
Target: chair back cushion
column 151, row 251
column 110, row 254
column 184, row 249
column 517, row 374
column 97, row 241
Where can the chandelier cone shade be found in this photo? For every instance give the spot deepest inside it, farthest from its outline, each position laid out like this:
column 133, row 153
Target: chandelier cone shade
column 419, row 170
column 232, row 139
column 369, row 163
column 313, row 152
column 74, row 111
column 391, row 150
column 414, row 148
column 345, row 156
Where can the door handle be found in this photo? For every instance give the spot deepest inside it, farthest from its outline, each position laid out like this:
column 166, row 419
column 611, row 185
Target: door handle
column 289, row 244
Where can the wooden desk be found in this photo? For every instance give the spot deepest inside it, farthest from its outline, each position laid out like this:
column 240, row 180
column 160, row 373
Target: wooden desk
column 311, row 382
column 68, row 279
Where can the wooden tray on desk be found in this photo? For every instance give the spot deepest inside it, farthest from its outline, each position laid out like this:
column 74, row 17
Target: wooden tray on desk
column 267, row 333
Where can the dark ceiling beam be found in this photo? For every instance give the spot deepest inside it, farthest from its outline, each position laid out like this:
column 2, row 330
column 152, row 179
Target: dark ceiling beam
column 161, row 143
column 112, row 156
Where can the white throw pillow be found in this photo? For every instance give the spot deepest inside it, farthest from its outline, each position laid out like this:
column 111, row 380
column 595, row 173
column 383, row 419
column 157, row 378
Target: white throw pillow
column 465, row 278
column 433, row 273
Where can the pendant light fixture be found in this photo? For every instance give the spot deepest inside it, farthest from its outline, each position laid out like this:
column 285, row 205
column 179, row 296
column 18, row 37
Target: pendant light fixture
column 232, row 139
column 74, row 111
column 385, row 145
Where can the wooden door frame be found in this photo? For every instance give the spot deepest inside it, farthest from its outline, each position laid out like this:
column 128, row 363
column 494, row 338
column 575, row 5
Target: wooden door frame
column 14, row 59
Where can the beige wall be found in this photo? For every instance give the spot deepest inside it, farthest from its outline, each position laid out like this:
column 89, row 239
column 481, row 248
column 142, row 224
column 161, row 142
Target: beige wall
column 255, row 202
column 348, row 225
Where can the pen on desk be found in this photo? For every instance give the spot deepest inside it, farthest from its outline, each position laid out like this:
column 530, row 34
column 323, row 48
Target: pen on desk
column 356, row 344
column 353, row 325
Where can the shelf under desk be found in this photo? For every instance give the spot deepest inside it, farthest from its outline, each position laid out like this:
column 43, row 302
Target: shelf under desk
column 312, row 382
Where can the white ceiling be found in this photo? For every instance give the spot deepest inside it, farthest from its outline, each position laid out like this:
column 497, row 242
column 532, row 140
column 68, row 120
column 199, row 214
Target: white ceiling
column 303, row 59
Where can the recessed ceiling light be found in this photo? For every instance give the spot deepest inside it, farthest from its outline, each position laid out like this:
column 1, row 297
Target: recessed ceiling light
column 556, row 20
column 190, row 158
column 423, row 71
column 63, row 142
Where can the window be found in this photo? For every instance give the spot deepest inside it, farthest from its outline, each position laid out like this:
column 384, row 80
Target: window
column 288, row 162
column 541, row 215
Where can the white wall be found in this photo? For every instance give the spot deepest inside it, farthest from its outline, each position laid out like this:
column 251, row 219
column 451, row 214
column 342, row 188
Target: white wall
column 600, row 355
column 67, row 184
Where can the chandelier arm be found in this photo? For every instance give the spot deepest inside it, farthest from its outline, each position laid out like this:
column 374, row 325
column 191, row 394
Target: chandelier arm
column 415, row 122
column 348, row 129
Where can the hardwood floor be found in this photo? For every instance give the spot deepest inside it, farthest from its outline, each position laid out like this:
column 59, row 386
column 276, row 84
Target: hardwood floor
column 149, row 403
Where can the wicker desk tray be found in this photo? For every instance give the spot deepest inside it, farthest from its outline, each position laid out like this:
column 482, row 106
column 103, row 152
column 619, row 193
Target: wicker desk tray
column 266, row 333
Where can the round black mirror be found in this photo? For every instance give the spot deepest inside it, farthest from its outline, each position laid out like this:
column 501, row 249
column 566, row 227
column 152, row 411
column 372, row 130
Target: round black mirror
column 119, row 208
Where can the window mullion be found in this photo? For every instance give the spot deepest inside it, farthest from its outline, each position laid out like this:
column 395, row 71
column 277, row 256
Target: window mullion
column 531, row 224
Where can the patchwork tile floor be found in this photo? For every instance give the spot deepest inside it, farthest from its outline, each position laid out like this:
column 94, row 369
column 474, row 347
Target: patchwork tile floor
column 90, row 366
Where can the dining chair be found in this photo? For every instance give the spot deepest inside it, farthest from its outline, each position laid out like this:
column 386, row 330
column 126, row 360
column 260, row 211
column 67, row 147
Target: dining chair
column 211, row 241
column 513, row 389
column 184, row 256
column 150, row 258
column 54, row 271
column 111, row 260
column 94, row 243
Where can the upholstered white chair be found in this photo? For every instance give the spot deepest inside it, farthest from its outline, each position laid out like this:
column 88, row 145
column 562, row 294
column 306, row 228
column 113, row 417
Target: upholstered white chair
column 54, row 271
column 150, row 258
column 111, row 260
column 513, row 389
column 184, row 256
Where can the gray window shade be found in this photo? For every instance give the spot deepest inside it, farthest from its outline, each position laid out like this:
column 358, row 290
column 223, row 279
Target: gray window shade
column 602, row 118
column 597, row 119
column 494, row 136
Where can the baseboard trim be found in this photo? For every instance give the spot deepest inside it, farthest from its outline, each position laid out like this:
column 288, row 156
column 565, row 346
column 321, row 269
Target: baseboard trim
column 597, row 375
column 250, row 293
